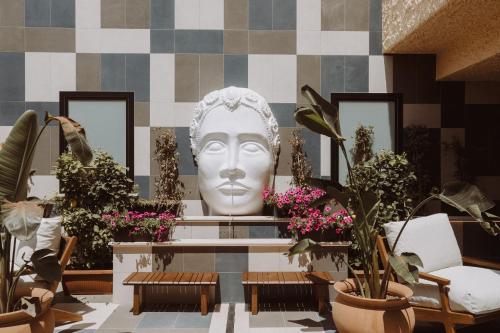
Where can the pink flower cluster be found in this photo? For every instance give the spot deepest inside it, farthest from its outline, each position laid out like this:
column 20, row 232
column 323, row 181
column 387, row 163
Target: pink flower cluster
column 295, row 201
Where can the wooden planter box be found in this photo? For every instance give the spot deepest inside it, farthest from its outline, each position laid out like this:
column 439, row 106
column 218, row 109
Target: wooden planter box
column 88, row 282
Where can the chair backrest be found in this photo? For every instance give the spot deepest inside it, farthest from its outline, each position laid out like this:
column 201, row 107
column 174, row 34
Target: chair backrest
column 66, row 248
column 430, row 237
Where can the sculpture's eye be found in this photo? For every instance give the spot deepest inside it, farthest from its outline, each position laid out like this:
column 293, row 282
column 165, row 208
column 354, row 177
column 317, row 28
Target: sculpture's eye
column 252, row 147
column 214, row 147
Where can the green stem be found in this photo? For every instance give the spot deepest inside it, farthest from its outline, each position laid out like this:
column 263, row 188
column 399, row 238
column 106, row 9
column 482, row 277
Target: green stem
column 356, row 278
column 12, row 290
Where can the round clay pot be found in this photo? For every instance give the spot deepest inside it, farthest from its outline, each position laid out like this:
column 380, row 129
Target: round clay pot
column 353, row 314
column 21, row 322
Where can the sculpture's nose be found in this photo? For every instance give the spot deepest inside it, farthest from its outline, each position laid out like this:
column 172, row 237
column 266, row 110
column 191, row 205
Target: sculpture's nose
column 232, row 169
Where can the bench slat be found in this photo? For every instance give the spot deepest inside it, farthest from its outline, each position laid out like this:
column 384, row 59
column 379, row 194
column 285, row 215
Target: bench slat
column 273, row 278
column 215, row 277
column 186, row 278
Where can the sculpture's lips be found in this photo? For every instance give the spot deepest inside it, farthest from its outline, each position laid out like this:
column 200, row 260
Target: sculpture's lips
column 233, row 188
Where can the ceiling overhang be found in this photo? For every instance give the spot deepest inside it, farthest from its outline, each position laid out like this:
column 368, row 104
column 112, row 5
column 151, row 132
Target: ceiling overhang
column 464, row 35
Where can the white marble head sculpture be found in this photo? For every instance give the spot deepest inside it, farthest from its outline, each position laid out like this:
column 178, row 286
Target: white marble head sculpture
column 235, row 142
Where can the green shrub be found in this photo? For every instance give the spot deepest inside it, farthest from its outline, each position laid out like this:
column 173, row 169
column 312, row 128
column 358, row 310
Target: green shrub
column 88, row 193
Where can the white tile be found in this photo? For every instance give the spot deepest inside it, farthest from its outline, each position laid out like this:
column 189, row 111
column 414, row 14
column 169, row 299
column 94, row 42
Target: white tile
column 122, row 295
column 205, row 230
column 62, row 74
column 241, row 318
column 422, row 114
column 37, row 76
column 282, row 183
column 325, row 163
column 88, row 14
column 211, row 14
column 182, row 231
column 296, row 263
column 132, row 262
column 162, row 77
column 260, row 75
column 4, row 132
column 193, row 207
column 142, row 151
column 44, row 187
column 187, row 14
column 345, row 42
column 219, row 319
column 161, row 114
column 309, row 15
column 380, row 74
column 94, row 314
column 309, row 42
column 284, row 79
column 112, row 41
column 183, row 114
column 263, row 259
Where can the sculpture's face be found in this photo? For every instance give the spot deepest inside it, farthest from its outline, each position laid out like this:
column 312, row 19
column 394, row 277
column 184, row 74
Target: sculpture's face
column 234, row 161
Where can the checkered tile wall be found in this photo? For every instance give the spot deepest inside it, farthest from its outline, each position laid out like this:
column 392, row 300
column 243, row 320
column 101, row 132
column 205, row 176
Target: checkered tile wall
column 172, row 52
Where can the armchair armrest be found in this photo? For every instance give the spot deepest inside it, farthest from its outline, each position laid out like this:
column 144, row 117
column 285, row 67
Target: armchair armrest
column 481, row 263
column 433, row 278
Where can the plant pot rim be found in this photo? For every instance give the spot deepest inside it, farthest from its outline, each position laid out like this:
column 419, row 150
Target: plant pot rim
column 395, row 289
column 87, row 271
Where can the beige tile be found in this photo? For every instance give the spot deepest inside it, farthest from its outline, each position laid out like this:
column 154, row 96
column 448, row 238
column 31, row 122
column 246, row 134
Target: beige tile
column 12, row 39
column 236, row 14
column 88, row 71
column 187, row 77
column 41, row 159
column 211, row 73
column 357, row 15
column 199, row 259
column 285, row 158
column 137, row 14
column 332, row 15
column 141, row 114
column 191, row 189
column 308, row 72
column 154, row 168
column 113, row 14
column 54, row 145
column 272, row 42
column 235, row 41
column 422, row 114
column 50, row 40
column 11, row 13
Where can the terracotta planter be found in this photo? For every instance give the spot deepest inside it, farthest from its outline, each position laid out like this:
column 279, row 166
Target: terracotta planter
column 353, row 314
column 21, row 322
column 87, row 282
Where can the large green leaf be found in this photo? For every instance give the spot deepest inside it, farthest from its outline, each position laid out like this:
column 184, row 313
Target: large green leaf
column 22, row 218
column 304, row 245
column 46, row 265
column 15, row 165
column 403, row 269
column 74, row 134
column 311, row 120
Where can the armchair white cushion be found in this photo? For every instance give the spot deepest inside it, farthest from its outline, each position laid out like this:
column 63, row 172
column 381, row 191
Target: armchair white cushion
column 431, row 237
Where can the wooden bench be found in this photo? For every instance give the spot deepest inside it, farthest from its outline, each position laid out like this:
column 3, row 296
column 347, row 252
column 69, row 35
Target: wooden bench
column 141, row 279
column 319, row 280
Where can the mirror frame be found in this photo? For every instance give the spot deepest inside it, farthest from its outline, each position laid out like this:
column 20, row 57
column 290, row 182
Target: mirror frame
column 396, row 98
column 66, row 96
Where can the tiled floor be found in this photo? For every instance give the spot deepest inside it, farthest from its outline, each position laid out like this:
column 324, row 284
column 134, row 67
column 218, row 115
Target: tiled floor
column 101, row 316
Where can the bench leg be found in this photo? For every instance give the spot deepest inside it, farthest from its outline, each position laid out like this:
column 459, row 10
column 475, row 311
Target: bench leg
column 254, row 302
column 321, row 294
column 137, row 299
column 204, row 300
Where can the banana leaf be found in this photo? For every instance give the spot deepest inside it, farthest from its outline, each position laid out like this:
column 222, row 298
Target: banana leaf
column 22, row 218
column 304, row 245
column 46, row 265
column 311, row 120
column 404, row 266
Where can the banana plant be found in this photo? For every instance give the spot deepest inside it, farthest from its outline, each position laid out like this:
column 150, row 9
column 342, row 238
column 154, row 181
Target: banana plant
column 19, row 218
column 323, row 117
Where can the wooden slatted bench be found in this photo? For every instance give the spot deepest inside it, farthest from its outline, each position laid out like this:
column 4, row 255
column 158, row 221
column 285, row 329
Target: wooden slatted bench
column 140, row 280
column 319, row 280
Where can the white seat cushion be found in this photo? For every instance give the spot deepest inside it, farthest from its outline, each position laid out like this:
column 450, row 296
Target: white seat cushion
column 430, row 237
column 472, row 289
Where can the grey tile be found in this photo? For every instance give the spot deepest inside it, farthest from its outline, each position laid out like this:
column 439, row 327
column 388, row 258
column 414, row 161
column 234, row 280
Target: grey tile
column 312, row 147
column 262, row 231
column 260, row 14
column 231, row 289
column 122, row 318
column 198, row 41
column 10, row 111
column 375, row 15
column 113, row 72
column 186, row 161
column 37, row 13
column 267, row 319
column 41, row 108
column 62, row 13
column 162, row 41
column 12, row 67
column 283, row 112
column 143, row 183
column 162, row 14
column 158, row 320
column 284, row 15
column 198, row 259
column 375, row 42
column 236, row 70
column 356, row 73
column 137, row 76
column 231, row 259
column 193, row 320
column 332, row 75
column 329, row 260
column 240, row 231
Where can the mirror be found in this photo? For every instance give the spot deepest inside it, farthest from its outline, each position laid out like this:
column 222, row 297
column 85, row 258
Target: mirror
column 108, row 121
column 382, row 111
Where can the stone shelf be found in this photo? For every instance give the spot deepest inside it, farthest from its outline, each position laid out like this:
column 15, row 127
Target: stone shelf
column 267, row 242
column 236, row 219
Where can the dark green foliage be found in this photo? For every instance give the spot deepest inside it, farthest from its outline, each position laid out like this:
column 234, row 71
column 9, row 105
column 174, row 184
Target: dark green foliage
column 88, row 193
column 363, row 143
column 463, row 160
column 301, row 168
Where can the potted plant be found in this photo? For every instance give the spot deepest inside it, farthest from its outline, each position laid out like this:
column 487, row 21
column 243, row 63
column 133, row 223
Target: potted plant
column 20, row 219
column 90, row 191
column 383, row 305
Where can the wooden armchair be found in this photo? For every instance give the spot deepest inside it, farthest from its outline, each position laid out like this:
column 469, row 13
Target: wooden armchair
column 444, row 313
